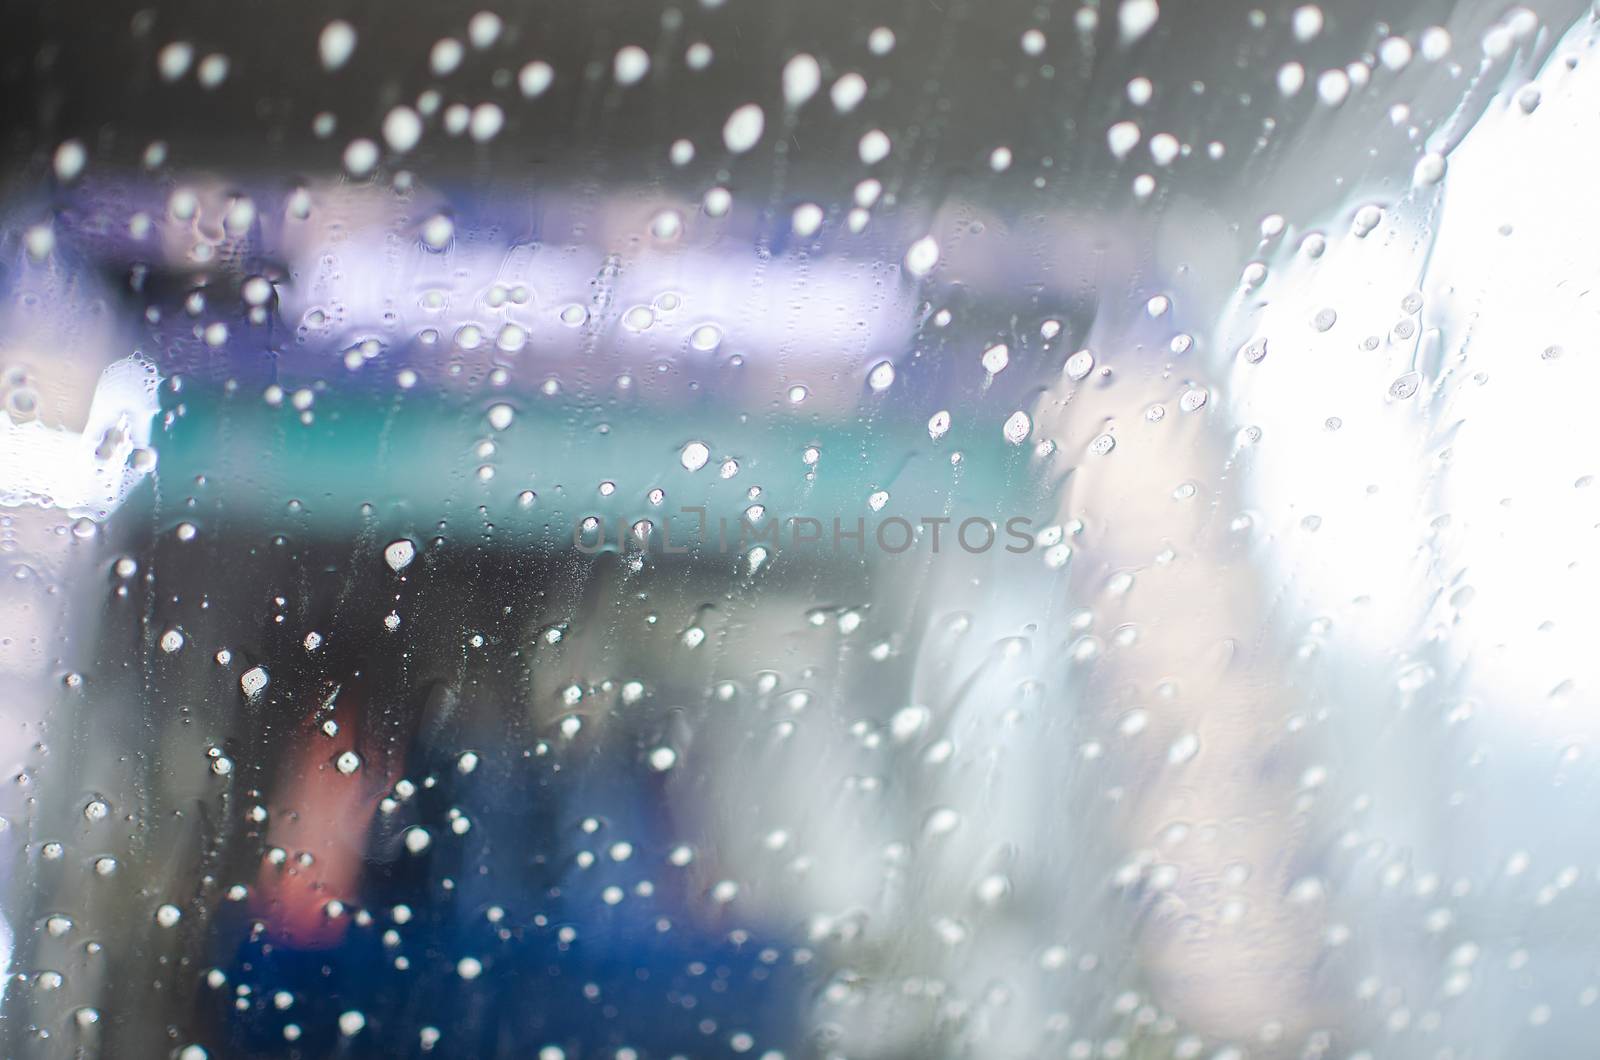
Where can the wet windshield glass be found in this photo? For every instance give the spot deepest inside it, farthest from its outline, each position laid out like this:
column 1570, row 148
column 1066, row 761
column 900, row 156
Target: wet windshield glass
column 716, row 528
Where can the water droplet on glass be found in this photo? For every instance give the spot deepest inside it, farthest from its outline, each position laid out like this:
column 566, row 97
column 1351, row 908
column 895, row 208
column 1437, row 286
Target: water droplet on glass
column 360, row 157
column 922, row 256
column 1366, row 219
column 1122, row 138
column 705, row 338
column 667, row 225
column 1291, row 78
column 847, row 92
column 874, row 147
column 70, row 158
column 743, row 128
column 807, row 219
column 534, row 78
column 402, row 129
column 1307, row 22
column 1079, row 365
column 1405, row 386
column 399, row 554
column 253, row 680
column 995, row 358
column 631, row 64
column 173, row 60
column 1430, row 169
column 802, row 76
column 1333, row 87
column 336, row 44
column 694, row 456
column 487, row 121
column 1136, row 17
column 1435, row 43
column 1017, row 427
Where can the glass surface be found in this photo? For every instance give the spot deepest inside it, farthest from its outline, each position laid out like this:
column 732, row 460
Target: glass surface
column 916, row 531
